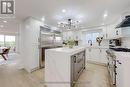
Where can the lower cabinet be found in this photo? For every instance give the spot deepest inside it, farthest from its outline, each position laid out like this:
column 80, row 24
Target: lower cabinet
column 122, row 70
column 119, row 75
column 96, row 55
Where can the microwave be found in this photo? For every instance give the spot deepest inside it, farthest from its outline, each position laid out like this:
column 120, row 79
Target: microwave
column 115, row 42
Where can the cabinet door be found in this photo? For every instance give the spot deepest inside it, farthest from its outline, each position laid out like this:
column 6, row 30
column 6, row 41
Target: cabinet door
column 95, row 56
column 118, row 33
column 88, row 52
column 103, row 58
column 119, row 76
column 126, row 32
column 111, row 32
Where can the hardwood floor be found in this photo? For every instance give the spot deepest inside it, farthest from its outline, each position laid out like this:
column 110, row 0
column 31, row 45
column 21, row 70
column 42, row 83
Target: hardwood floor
column 94, row 76
column 11, row 76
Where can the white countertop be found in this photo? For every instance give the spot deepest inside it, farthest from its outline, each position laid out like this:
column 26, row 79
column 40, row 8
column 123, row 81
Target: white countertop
column 68, row 50
column 122, row 54
column 96, row 47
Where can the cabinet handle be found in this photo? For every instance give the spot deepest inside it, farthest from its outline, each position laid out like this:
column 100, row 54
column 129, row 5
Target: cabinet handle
column 74, row 59
column 115, row 66
column 106, row 35
column 116, row 32
column 119, row 62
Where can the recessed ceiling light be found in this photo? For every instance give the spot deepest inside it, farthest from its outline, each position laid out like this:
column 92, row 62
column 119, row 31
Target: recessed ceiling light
column 105, row 14
column 5, row 21
column 102, row 24
column 43, row 19
column 1, row 26
column 63, row 10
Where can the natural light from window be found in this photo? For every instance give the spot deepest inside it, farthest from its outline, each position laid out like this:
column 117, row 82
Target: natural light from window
column 8, row 41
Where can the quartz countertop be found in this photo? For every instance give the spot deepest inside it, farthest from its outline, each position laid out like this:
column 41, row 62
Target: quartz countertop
column 68, row 50
column 96, row 47
column 122, row 54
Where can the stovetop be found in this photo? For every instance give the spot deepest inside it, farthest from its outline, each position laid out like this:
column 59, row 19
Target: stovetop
column 121, row 49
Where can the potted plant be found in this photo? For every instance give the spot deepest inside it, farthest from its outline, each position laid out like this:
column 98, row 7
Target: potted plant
column 99, row 40
column 70, row 43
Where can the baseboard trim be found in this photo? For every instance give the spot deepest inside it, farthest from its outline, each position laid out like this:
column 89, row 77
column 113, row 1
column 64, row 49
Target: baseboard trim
column 97, row 63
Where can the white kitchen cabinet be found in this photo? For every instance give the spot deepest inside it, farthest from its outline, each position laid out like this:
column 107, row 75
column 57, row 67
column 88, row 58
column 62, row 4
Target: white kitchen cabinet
column 103, row 58
column 29, row 34
column 122, row 70
column 64, row 66
column 125, row 32
column 119, row 76
column 110, row 32
column 96, row 54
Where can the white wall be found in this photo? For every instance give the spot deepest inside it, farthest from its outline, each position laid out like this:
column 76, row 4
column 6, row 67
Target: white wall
column 29, row 34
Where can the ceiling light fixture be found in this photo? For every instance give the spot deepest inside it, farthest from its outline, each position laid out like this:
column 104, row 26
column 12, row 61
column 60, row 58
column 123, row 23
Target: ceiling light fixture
column 70, row 24
column 5, row 21
column 43, row 19
column 105, row 14
column 1, row 26
column 63, row 10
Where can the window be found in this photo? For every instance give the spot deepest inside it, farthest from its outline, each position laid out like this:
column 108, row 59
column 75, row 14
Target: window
column 8, row 41
column 92, row 35
column 1, row 40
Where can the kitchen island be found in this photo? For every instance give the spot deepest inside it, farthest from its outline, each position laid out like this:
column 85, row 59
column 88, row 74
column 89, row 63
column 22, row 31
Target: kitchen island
column 64, row 66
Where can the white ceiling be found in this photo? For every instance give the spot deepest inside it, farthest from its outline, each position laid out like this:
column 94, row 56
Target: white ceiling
column 90, row 11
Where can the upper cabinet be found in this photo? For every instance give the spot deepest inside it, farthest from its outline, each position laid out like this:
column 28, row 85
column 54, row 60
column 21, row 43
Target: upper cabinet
column 111, row 32
column 125, row 32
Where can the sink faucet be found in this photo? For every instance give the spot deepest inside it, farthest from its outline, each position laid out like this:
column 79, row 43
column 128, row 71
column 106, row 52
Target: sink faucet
column 90, row 41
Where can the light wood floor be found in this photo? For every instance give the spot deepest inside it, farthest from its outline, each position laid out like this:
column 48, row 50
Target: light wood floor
column 10, row 76
column 94, row 76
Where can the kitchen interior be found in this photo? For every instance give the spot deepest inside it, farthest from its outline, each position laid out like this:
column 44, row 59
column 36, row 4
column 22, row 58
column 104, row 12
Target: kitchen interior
column 74, row 43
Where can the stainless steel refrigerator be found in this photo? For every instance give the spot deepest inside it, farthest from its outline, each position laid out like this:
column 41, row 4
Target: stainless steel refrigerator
column 48, row 39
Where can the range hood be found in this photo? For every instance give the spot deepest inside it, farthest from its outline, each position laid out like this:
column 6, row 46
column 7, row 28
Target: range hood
column 124, row 23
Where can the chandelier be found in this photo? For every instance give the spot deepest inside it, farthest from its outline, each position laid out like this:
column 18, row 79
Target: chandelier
column 69, row 24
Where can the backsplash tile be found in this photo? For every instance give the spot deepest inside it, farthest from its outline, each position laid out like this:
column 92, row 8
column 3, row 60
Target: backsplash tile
column 126, row 42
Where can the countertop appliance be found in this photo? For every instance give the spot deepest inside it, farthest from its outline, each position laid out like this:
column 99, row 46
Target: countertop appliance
column 125, row 22
column 48, row 39
column 114, row 42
